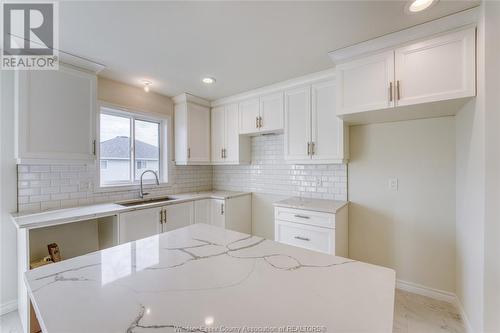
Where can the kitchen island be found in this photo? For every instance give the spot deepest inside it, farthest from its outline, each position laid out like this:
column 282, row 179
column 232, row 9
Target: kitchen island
column 206, row 278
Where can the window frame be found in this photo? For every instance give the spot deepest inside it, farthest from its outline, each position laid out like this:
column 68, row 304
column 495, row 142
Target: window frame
column 164, row 129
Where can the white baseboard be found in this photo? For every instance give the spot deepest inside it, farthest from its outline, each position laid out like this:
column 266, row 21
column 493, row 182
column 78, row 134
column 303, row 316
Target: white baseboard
column 437, row 294
column 8, row 307
column 426, row 291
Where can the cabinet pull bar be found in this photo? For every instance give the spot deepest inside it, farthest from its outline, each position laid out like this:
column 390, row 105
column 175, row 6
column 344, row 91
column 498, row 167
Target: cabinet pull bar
column 93, row 148
column 221, row 153
column 165, row 216
column 260, row 122
column 256, row 122
column 308, row 148
column 221, row 209
column 390, row 91
column 398, row 91
column 302, row 216
column 312, row 148
column 302, row 238
column 189, row 152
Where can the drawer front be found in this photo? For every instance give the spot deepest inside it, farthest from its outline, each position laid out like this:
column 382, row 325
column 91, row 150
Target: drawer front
column 309, row 217
column 305, row 236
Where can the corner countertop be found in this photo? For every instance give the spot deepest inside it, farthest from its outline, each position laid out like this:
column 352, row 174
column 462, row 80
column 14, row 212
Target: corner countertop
column 203, row 278
column 317, row 205
column 75, row 214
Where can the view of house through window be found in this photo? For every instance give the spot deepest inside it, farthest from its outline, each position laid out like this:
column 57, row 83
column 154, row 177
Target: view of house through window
column 128, row 147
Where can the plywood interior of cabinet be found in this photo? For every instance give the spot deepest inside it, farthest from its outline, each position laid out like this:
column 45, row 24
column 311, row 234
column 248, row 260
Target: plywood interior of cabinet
column 75, row 239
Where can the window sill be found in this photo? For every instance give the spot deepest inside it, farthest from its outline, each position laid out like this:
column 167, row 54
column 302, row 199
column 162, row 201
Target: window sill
column 127, row 187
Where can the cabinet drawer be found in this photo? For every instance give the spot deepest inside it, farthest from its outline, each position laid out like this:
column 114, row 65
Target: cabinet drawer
column 319, row 219
column 305, row 236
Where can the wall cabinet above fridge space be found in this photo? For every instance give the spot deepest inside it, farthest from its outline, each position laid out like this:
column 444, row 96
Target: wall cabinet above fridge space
column 431, row 77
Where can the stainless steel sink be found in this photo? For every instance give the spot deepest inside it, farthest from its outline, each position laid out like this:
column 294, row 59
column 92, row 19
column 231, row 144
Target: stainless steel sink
column 145, row 201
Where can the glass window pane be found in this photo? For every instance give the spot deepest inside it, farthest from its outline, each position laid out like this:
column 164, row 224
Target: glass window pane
column 147, row 148
column 115, row 149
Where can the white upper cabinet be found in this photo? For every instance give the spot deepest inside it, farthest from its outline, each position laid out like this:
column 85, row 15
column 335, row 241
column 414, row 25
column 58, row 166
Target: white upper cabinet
column 228, row 147
column 313, row 132
column 264, row 114
column 249, row 116
column 55, row 116
column 271, row 112
column 218, row 129
column 192, row 131
column 298, row 123
column 329, row 135
column 436, row 69
column 365, row 84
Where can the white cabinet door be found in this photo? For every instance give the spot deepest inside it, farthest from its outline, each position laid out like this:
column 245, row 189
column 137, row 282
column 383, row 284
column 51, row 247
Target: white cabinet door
column 297, row 123
column 231, row 146
column 249, row 116
column 217, row 213
column 436, row 69
column 55, row 113
column 218, row 131
column 365, row 84
column 178, row 216
column 271, row 112
column 198, row 133
column 202, row 211
column 327, row 128
column 139, row 224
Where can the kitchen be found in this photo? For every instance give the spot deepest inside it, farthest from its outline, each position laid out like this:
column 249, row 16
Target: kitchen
column 352, row 187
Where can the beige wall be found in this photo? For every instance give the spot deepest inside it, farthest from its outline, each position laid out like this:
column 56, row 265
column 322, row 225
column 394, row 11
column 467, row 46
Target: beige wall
column 134, row 98
column 413, row 229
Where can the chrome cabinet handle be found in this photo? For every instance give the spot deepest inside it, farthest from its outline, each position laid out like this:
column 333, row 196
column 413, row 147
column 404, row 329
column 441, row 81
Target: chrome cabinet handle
column 221, row 209
column 308, row 148
column 189, row 152
column 312, row 148
column 398, row 91
column 390, row 91
column 302, row 238
column 165, row 216
column 256, row 122
column 260, row 122
column 302, row 217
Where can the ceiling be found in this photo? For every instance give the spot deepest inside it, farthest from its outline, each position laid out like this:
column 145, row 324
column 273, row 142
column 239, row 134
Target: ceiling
column 244, row 45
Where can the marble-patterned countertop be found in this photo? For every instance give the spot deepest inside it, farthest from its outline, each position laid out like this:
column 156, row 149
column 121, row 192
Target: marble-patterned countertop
column 318, row 205
column 207, row 279
column 68, row 215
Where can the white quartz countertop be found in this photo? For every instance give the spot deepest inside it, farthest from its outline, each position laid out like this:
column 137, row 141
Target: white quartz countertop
column 318, row 205
column 207, row 279
column 68, row 215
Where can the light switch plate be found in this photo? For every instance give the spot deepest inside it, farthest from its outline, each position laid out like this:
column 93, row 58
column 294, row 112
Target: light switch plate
column 393, row 184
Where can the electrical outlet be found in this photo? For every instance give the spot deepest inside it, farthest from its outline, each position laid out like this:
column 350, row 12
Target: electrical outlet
column 393, row 184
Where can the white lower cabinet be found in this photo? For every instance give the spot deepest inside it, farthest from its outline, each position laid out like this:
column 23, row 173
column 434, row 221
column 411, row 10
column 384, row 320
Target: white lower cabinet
column 139, row 224
column 232, row 213
column 317, row 231
column 147, row 222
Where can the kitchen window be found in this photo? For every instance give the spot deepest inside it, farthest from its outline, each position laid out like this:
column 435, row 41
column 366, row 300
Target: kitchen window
column 129, row 144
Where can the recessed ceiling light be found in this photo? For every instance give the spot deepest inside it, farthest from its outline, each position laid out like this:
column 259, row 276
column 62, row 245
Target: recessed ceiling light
column 146, row 84
column 208, row 80
column 416, row 6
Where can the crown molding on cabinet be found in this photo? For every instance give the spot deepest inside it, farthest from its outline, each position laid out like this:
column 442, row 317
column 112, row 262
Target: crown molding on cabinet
column 186, row 97
column 310, row 78
column 396, row 39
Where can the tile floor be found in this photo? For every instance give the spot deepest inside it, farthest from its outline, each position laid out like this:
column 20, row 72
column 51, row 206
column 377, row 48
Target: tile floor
column 413, row 314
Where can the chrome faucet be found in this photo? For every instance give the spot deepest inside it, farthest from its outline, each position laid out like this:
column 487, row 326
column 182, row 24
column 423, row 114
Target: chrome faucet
column 141, row 192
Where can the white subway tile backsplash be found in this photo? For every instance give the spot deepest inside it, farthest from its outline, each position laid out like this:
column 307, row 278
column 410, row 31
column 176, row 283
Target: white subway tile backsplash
column 43, row 187
column 268, row 173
